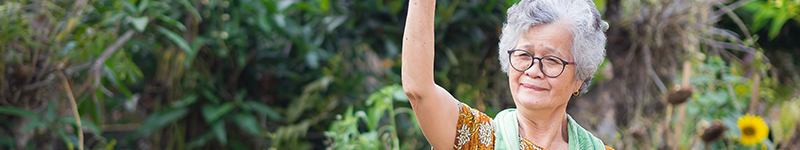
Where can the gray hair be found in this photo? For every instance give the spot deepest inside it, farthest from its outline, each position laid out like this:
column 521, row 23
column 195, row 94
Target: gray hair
column 588, row 31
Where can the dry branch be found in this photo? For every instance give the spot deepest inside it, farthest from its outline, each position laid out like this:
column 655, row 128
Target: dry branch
column 110, row 50
column 74, row 109
column 95, row 66
column 728, row 45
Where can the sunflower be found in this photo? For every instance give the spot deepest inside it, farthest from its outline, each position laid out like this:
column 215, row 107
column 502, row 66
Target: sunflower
column 753, row 129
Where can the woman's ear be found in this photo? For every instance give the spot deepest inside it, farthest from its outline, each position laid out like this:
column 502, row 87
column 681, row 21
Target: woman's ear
column 578, row 85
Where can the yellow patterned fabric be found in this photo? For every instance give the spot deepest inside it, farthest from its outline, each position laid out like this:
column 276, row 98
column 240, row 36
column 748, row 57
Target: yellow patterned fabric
column 475, row 131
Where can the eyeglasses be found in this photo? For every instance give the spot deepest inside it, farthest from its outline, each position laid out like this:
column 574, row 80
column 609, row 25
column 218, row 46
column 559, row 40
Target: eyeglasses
column 551, row 66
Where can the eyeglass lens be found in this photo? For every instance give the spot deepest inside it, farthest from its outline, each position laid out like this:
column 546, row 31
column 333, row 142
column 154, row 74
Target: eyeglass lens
column 551, row 66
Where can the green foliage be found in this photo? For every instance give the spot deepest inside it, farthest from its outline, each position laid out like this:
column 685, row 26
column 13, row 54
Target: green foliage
column 158, row 120
column 382, row 128
column 235, row 73
column 53, row 123
column 774, row 12
column 257, row 74
column 724, row 93
column 787, row 119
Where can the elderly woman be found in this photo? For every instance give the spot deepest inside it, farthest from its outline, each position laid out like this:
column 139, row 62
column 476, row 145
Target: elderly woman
column 550, row 50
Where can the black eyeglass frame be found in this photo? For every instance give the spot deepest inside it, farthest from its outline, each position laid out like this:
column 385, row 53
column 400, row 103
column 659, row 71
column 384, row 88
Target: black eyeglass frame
column 541, row 65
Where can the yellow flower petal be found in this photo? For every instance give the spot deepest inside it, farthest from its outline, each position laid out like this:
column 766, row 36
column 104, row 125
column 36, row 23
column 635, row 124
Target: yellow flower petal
column 753, row 129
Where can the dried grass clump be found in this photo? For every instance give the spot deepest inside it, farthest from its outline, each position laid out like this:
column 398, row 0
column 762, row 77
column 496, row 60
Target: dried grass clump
column 648, row 43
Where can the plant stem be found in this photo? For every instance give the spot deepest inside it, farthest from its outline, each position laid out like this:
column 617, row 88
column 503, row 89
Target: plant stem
column 395, row 141
column 682, row 107
column 74, row 109
column 754, row 93
column 665, row 126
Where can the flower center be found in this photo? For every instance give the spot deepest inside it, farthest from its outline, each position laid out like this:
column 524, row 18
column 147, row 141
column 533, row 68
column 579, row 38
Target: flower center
column 749, row 131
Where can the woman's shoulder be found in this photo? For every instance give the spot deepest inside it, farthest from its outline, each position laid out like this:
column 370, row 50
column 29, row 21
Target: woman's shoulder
column 468, row 112
column 582, row 138
column 474, row 129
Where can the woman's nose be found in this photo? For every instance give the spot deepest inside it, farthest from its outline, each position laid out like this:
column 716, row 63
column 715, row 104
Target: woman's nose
column 535, row 70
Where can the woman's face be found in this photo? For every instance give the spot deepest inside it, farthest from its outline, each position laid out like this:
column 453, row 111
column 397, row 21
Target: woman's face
column 533, row 90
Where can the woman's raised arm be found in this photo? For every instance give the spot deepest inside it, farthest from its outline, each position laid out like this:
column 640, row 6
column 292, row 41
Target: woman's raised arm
column 436, row 109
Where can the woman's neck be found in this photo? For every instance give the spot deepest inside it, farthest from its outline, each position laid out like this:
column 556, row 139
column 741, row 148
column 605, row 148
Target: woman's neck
column 545, row 128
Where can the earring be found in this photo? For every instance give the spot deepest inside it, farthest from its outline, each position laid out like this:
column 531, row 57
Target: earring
column 575, row 94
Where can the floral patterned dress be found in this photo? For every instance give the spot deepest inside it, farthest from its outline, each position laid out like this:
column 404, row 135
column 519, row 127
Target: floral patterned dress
column 475, row 131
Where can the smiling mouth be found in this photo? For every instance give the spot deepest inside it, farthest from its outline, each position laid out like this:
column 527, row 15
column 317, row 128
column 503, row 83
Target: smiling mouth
column 532, row 87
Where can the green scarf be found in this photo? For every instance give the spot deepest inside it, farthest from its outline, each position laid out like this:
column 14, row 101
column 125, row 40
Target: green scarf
column 506, row 132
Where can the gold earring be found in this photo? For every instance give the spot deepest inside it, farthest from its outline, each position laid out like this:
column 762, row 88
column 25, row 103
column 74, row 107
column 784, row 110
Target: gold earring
column 575, row 94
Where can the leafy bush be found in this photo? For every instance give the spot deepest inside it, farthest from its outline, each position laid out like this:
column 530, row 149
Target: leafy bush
column 261, row 74
column 381, row 124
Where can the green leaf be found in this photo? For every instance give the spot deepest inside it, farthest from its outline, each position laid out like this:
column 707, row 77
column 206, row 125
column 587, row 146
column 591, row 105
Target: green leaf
column 391, row 47
column 143, row 5
column 111, row 144
column 177, row 39
column 192, row 10
column 84, row 123
column 241, row 60
column 7, row 140
column 263, row 109
column 718, row 98
column 160, row 119
column 247, row 122
column 130, row 8
column 334, row 21
column 33, row 124
column 396, row 6
column 17, row 112
column 50, row 116
column 219, row 131
column 212, row 112
column 763, row 12
column 312, row 59
column 236, row 145
column 733, row 78
column 196, row 43
column 185, row 101
column 68, row 47
column 400, row 95
column 280, row 20
column 171, row 21
column 406, row 110
column 452, row 57
column 96, row 111
column 124, row 90
column 284, row 4
column 199, row 141
column 363, row 115
column 263, row 24
column 375, row 115
column 139, row 23
column 111, row 76
column 240, row 95
column 210, row 96
column 777, row 24
column 325, row 5
column 66, row 138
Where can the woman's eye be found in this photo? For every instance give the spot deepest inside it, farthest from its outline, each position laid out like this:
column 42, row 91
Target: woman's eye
column 552, row 61
column 521, row 54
